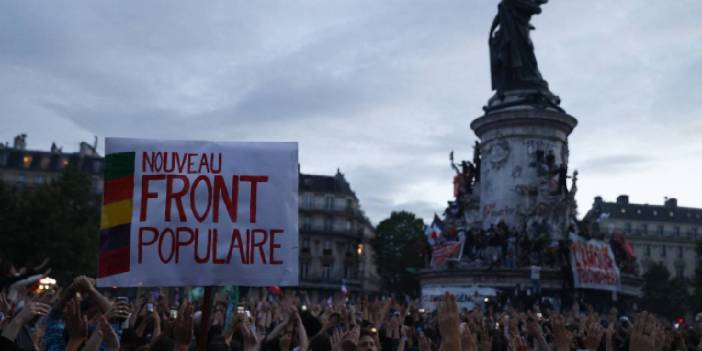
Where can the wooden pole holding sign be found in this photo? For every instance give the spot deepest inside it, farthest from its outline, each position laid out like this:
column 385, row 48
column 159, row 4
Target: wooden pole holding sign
column 205, row 319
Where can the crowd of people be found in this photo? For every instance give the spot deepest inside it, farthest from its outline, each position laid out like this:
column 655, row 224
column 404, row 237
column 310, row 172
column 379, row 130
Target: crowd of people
column 81, row 317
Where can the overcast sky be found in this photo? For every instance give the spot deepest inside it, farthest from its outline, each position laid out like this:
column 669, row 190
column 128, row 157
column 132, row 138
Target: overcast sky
column 382, row 90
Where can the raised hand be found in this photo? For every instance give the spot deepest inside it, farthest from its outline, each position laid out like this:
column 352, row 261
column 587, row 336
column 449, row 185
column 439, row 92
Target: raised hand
column 83, row 284
column 593, row 336
column 5, row 305
column 76, row 324
column 183, row 326
column 108, row 334
column 562, row 337
column 447, row 314
column 645, row 334
column 31, row 310
column 468, row 340
column 249, row 337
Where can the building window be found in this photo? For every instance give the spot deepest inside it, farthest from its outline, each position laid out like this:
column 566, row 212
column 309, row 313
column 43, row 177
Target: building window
column 306, row 224
column 327, row 248
column 663, row 251
column 304, row 269
column 648, row 251
column 21, row 179
column 655, row 213
column 328, row 224
column 627, row 227
column 644, row 228
column 39, row 179
column 660, row 230
column 326, row 272
column 349, row 204
column 329, row 202
column 680, row 252
column 306, row 243
column 307, row 200
column 45, row 162
column 694, row 231
column 676, row 230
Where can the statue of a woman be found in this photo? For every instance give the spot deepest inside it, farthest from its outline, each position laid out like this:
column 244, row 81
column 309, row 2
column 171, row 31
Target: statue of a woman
column 514, row 68
column 512, row 56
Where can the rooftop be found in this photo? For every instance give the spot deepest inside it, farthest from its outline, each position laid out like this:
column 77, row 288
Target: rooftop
column 669, row 211
column 326, row 184
column 19, row 157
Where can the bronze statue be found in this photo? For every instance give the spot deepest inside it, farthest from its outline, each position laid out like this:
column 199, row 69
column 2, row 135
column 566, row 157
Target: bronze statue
column 515, row 72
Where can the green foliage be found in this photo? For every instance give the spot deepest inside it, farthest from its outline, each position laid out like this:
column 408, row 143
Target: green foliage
column 663, row 295
column 58, row 220
column 399, row 247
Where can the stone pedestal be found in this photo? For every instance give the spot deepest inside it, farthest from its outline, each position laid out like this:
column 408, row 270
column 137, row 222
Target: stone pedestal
column 513, row 187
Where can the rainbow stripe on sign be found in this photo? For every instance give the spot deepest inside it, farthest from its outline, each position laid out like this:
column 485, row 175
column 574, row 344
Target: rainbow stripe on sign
column 116, row 217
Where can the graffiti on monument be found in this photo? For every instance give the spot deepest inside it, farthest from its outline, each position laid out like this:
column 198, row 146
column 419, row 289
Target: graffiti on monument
column 497, row 154
column 533, row 145
column 517, row 171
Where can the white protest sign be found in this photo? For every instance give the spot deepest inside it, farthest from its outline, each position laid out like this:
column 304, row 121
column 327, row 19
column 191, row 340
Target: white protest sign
column 467, row 296
column 179, row 213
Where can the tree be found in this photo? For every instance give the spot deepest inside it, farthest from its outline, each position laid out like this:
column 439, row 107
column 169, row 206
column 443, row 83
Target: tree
column 663, row 295
column 398, row 248
column 58, row 220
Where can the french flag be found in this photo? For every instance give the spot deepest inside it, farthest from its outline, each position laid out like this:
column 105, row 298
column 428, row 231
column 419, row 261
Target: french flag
column 433, row 231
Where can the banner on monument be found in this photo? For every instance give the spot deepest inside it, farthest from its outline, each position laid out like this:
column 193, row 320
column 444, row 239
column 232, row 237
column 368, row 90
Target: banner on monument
column 594, row 266
column 179, row 213
column 446, row 251
column 467, row 296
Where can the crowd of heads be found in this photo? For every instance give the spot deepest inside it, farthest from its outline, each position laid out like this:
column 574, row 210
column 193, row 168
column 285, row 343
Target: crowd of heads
column 79, row 316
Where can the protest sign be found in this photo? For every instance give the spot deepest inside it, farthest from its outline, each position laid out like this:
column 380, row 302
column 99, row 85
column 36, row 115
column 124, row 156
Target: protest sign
column 594, row 266
column 181, row 213
column 446, row 251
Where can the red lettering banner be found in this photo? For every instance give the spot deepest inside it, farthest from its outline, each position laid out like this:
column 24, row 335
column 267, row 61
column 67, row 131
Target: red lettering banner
column 594, row 266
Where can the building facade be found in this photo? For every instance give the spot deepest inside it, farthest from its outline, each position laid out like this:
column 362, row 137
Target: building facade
column 21, row 167
column 665, row 233
column 335, row 237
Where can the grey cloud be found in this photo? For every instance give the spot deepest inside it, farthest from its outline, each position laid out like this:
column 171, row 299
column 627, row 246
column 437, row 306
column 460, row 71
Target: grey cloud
column 615, row 163
column 382, row 89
